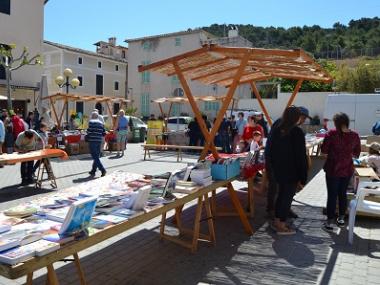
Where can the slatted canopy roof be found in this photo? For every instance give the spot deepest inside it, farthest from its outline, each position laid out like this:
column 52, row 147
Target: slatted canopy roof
column 213, row 64
column 207, row 98
column 84, row 97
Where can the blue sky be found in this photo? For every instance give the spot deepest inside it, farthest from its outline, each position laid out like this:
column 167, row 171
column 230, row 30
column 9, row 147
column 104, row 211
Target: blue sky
column 82, row 23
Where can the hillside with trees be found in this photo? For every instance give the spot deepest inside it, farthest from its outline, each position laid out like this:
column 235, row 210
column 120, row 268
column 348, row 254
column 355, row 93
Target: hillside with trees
column 359, row 39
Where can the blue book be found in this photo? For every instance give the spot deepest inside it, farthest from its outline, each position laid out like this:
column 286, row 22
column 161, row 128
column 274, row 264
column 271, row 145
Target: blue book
column 79, row 216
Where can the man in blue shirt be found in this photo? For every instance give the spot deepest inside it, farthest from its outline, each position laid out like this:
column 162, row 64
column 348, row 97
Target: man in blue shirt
column 95, row 134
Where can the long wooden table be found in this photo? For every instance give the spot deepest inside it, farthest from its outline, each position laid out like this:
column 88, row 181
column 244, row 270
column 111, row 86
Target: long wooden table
column 72, row 248
column 43, row 155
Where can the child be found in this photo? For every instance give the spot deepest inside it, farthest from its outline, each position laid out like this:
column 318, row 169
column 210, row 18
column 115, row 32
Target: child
column 373, row 157
column 255, row 142
column 9, row 139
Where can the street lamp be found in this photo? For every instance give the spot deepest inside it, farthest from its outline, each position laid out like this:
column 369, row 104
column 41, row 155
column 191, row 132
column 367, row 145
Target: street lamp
column 64, row 81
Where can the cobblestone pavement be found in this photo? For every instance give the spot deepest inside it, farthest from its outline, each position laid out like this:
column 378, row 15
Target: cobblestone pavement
column 312, row 256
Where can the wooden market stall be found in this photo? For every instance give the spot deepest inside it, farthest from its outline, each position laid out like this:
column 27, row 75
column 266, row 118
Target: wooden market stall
column 230, row 67
column 58, row 114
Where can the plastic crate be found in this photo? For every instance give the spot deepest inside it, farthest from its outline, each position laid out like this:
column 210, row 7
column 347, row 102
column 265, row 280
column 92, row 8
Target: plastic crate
column 225, row 171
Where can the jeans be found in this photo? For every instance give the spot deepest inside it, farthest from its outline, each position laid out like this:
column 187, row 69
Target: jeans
column 336, row 189
column 95, row 154
column 286, row 192
column 27, row 170
column 225, row 143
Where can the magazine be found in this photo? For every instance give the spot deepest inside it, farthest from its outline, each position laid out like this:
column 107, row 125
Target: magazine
column 16, row 255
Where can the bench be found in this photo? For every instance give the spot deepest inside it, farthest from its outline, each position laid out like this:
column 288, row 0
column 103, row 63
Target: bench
column 177, row 148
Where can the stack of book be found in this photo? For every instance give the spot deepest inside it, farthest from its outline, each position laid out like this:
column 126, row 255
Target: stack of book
column 201, row 176
column 185, row 187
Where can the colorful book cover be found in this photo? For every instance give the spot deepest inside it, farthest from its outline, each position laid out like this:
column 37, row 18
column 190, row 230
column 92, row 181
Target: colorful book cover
column 16, row 255
column 43, row 247
column 79, row 216
column 111, row 218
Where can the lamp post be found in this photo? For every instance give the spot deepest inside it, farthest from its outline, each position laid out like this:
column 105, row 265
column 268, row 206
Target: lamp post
column 64, row 81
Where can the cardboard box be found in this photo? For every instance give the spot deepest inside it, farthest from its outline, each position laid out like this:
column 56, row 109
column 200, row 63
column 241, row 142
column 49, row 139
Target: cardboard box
column 72, row 148
column 225, row 171
column 84, row 147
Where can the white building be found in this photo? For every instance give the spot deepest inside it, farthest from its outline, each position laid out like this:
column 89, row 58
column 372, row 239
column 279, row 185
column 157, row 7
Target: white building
column 99, row 74
column 22, row 23
column 146, row 86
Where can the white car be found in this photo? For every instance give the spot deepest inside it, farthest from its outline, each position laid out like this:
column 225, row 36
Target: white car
column 180, row 123
column 134, row 123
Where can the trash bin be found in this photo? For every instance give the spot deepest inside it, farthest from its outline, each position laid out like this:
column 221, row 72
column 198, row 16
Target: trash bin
column 136, row 135
column 142, row 134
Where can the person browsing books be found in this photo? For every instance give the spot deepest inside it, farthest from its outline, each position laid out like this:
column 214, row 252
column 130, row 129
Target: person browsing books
column 28, row 141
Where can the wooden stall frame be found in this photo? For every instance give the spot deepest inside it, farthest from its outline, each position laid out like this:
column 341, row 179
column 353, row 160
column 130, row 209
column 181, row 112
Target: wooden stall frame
column 80, row 97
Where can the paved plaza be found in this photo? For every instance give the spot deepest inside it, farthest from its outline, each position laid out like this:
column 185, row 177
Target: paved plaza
column 312, row 256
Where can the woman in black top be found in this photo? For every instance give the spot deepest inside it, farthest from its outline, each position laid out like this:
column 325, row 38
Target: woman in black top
column 289, row 162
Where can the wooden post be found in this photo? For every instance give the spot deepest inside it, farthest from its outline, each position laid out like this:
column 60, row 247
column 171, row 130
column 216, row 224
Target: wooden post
column 63, row 111
column 226, row 102
column 55, row 112
column 261, row 103
column 29, row 279
column 295, row 91
column 161, row 110
column 195, row 108
column 170, row 109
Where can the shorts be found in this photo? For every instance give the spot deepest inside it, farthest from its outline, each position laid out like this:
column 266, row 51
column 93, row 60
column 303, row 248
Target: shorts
column 121, row 136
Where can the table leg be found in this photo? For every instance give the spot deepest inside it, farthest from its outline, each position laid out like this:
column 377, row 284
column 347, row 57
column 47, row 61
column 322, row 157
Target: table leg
column 51, row 275
column 79, row 269
column 197, row 225
column 178, row 151
column 251, row 200
column 178, row 213
column 149, row 153
column 210, row 221
column 145, row 155
column 40, row 175
column 162, row 226
column 29, row 278
column 213, row 202
column 239, row 209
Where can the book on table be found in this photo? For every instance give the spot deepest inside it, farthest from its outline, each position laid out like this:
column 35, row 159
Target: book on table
column 79, row 216
column 16, row 255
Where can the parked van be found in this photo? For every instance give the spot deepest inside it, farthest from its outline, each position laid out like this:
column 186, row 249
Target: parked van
column 363, row 110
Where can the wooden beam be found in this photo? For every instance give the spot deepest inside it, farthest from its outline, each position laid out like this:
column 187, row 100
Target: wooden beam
column 303, row 77
column 227, row 101
column 173, row 59
column 230, row 77
column 63, row 111
column 248, row 80
column 295, row 91
column 214, row 73
column 257, row 51
column 190, row 68
column 261, row 103
column 161, row 110
column 197, row 113
column 170, row 109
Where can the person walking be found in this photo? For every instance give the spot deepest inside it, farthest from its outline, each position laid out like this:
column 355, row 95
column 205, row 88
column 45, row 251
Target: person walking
column 28, row 141
column 289, row 164
column 2, row 136
column 121, row 132
column 340, row 145
column 95, row 134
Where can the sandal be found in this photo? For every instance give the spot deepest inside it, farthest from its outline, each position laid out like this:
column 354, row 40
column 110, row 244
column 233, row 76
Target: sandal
column 282, row 229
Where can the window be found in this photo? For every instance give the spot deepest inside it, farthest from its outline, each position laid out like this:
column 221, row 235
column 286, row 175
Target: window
column 177, row 42
column 80, row 78
column 145, row 102
column 147, row 45
column 116, row 86
column 99, row 84
column 116, row 67
column 145, row 76
column 123, row 54
column 175, row 79
column 99, row 64
column 80, row 60
column 5, row 6
column 211, row 106
column 79, row 107
column 99, row 107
